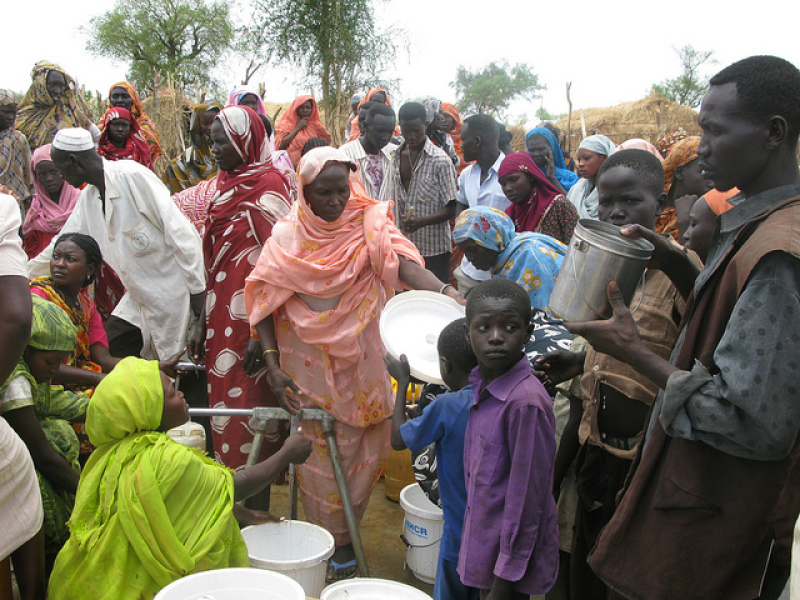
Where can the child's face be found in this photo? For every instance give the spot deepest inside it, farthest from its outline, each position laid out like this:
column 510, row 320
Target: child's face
column 497, row 334
column 702, row 223
column 44, row 364
column 176, row 411
column 625, row 199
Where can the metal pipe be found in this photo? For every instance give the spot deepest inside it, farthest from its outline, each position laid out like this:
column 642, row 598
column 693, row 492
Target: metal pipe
column 293, row 425
column 344, row 493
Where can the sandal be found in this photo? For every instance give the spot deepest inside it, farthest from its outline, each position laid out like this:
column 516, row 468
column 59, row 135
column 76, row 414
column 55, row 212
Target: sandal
column 340, row 572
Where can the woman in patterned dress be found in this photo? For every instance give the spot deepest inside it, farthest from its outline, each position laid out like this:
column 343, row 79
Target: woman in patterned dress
column 251, row 195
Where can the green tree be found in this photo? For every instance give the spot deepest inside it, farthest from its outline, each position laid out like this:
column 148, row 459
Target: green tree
column 492, row 89
column 334, row 43
column 182, row 38
column 689, row 87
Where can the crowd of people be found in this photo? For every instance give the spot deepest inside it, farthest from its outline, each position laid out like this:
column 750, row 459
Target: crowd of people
column 649, row 456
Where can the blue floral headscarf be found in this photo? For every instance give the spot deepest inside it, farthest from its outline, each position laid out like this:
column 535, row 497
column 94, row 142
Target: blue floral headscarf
column 533, row 260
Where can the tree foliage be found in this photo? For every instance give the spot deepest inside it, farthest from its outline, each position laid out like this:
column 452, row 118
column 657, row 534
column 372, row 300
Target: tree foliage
column 182, row 38
column 689, row 87
column 334, row 43
column 492, row 89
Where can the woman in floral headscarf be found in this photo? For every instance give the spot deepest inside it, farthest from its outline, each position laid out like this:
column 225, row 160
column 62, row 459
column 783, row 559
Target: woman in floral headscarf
column 314, row 300
column 299, row 124
column 251, row 196
column 489, row 241
column 683, row 185
column 51, row 104
column 195, row 163
column 124, row 95
column 122, row 138
column 536, row 205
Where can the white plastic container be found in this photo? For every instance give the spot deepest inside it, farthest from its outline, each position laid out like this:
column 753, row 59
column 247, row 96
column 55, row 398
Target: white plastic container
column 233, row 584
column 371, row 589
column 297, row 549
column 422, row 529
column 189, row 434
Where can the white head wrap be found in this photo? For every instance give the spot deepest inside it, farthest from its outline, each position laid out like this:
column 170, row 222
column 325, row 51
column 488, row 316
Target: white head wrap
column 599, row 144
column 73, row 139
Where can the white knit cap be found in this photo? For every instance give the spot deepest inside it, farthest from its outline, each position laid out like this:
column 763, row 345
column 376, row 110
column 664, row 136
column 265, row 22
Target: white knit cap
column 73, row 139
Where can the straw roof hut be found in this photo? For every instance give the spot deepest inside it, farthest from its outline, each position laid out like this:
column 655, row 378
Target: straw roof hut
column 648, row 118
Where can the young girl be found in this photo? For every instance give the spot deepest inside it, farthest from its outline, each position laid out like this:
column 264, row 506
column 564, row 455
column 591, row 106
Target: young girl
column 150, row 511
column 592, row 152
column 39, row 412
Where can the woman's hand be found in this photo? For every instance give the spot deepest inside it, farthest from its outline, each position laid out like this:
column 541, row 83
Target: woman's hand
column 197, row 343
column 559, row 365
column 168, row 366
column 301, row 124
column 278, row 381
column 247, row 516
column 453, row 293
column 297, row 448
column 252, row 361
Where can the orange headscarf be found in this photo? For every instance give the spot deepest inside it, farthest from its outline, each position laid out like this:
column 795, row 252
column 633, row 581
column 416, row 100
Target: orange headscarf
column 680, row 154
column 718, row 201
column 288, row 121
column 355, row 130
column 148, row 130
column 455, row 132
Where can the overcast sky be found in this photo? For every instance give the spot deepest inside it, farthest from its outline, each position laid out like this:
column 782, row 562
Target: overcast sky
column 611, row 51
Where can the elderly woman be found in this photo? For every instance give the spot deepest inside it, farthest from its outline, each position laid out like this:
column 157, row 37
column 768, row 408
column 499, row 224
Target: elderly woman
column 314, row 300
column 592, row 153
column 489, row 241
column 124, row 95
column 536, row 204
column 299, row 124
column 195, row 163
column 122, row 138
column 148, row 510
column 15, row 156
column 51, row 206
column 51, row 104
column 545, row 151
column 251, row 196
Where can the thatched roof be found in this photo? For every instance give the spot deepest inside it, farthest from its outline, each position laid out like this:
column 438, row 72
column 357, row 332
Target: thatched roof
column 648, row 118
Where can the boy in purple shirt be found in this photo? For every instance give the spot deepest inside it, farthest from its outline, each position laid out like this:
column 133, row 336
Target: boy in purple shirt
column 444, row 422
column 509, row 545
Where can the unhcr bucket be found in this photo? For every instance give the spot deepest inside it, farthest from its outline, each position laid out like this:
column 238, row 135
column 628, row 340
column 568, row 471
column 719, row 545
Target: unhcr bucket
column 597, row 254
column 422, row 532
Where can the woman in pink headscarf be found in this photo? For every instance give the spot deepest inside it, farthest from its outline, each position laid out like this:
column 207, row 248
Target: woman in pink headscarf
column 536, row 204
column 298, row 125
column 315, row 299
column 251, row 196
column 52, row 203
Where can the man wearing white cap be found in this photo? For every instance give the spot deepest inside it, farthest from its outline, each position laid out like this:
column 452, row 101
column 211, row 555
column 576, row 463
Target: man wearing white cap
column 144, row 237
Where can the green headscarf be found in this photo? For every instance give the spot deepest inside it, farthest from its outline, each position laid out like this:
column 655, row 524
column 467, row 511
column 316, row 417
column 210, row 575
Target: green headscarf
column 148, row 510
column 51, row 329
column 129, row 399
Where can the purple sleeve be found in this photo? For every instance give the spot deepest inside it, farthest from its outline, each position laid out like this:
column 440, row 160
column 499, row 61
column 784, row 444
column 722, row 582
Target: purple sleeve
column 94, row 327
column 531, row 440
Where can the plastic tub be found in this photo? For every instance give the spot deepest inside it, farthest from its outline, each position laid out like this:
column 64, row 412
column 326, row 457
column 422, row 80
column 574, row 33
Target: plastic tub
column 371, row 589
column 297, row 549
column 233, row 584
column 422, row 530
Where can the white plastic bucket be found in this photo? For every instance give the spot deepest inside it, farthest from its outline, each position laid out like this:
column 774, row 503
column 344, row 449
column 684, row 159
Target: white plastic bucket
column 422, row 530
column 371, row 589
column 297, row 549
column 233, row 584
column 189, row 434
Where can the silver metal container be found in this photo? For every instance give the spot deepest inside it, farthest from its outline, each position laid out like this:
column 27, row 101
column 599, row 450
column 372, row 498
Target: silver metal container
column 597, row 254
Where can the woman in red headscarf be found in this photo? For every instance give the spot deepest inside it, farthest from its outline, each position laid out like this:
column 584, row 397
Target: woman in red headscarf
column 298, row 125
column 124, row 95
column 536, row 205
column 374, row 95
column 122, row 138
column 251, row 196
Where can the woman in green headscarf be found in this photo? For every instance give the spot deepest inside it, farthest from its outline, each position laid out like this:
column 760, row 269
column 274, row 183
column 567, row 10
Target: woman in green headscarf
column 39, row 411
column 148, row 510
column 50, row 104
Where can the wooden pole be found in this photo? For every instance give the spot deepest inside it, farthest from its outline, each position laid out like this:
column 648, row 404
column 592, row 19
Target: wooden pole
column 569, row 120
